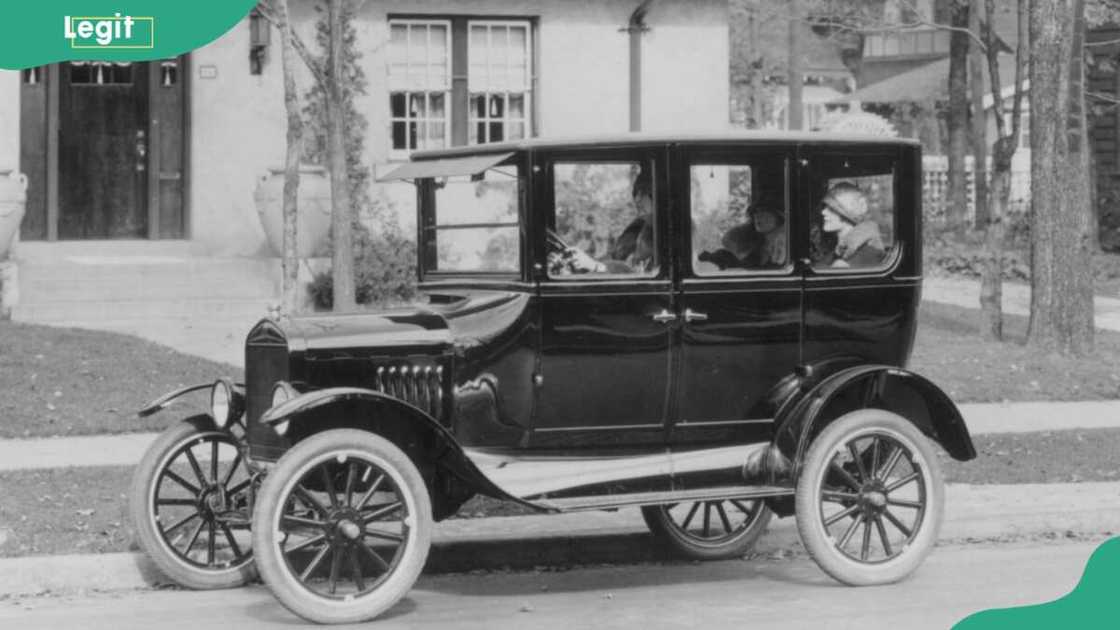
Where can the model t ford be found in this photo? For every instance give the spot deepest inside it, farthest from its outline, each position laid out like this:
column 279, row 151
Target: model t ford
column 713, row 329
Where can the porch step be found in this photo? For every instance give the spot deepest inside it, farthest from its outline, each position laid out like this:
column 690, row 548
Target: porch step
column 92, row 278
column 43, row 251
column 119, row 314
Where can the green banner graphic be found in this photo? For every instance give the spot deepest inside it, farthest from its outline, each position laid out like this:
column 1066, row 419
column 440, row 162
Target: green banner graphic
column 1091, row 604
column 49, row 31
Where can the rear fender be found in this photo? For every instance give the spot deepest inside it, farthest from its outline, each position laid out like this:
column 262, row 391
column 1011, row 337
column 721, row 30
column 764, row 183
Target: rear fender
column 413, row 430
column 873, row 386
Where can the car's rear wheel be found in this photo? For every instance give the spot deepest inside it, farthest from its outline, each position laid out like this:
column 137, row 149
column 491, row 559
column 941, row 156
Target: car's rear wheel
column 709, row 530
column 870, row 498
column 342, row 527
column 189, row 500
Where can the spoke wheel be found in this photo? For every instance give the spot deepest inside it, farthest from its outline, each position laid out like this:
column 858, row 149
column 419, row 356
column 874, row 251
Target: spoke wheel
column 189, row 499
column 870, row 498
column 709, row 530
column 342, row 527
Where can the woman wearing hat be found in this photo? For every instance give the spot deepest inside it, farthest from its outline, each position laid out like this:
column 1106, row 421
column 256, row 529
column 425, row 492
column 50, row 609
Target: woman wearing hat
column 845, row 212
column 761, row 242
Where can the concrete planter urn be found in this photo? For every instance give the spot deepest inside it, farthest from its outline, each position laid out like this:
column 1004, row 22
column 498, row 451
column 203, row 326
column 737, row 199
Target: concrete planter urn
column 13, row 198
column 314, row 221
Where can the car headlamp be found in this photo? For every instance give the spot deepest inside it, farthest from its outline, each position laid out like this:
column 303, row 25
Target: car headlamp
column 281, row 393
column 226, row 403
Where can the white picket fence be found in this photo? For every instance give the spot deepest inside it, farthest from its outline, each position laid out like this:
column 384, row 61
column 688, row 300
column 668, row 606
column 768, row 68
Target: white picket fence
column 935, row 187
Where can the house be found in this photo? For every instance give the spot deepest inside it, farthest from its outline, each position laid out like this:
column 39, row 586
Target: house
column 160, row 159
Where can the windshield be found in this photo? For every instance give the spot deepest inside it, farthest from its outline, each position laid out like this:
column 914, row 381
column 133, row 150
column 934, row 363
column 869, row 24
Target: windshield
column 473, row 226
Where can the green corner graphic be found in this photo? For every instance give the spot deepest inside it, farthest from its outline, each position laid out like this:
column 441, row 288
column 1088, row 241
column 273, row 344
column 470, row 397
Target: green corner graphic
column 47, row 31
column 1091, row 604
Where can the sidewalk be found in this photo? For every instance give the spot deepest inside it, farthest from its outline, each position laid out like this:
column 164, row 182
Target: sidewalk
column 127, row 449
column 973, row 513
column 1016, row 299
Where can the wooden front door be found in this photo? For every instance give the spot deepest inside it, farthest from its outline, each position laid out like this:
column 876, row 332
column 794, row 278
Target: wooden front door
column 103, row 145
column 107, row 141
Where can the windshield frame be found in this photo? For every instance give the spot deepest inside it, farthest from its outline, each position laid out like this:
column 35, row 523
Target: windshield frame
column 427, row 228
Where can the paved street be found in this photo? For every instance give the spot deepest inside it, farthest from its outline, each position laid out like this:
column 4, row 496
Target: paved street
column 759, row 594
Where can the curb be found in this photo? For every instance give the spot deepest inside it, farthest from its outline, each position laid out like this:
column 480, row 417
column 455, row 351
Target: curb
column 543, row 541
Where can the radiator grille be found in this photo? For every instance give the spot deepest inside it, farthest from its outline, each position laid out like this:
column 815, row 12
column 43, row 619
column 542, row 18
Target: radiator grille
column 419, row 385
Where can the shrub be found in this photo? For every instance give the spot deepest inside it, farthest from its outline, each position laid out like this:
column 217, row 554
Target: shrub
column 384, row 271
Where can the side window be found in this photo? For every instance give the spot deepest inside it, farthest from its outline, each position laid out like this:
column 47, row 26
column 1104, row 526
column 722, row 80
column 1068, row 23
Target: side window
column 604, row 222
column 853, row 223
column 739, row 217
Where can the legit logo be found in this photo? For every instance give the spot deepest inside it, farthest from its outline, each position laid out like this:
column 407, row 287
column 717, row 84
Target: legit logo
column 110, row 32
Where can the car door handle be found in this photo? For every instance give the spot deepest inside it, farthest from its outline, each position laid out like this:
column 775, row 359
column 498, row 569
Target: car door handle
column 694, row 316
column 664, row 316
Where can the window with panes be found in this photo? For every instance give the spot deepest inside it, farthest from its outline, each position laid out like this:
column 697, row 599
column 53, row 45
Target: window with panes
column 458, row 80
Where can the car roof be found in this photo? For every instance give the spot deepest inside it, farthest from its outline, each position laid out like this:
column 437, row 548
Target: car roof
column 767, row 136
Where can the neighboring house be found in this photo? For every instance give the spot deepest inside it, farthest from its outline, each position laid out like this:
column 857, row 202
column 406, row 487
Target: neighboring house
column 173, row 149
column 825, row 78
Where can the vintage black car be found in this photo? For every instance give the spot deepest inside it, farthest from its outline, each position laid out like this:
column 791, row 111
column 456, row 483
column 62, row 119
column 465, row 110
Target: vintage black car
column 711, row 328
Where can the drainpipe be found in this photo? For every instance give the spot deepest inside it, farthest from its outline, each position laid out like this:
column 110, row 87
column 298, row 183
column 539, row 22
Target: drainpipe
column 635, row 27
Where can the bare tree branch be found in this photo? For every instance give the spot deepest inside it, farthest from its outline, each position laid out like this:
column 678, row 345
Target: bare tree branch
column 267, row 11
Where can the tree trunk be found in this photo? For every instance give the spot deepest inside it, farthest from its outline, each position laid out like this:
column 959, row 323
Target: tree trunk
column 991, row 274
column 756, row 70
column 290, row 260
column 342, row 275
column 979, row 118
column 1061, row 289
column 957, row 121
column 796, row 74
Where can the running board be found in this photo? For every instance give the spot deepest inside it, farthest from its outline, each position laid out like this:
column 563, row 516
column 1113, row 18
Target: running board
column 603, row 502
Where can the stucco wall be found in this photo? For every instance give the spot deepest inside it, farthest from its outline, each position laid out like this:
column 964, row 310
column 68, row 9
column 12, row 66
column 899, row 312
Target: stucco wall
column 9, row 120
column 583, row 88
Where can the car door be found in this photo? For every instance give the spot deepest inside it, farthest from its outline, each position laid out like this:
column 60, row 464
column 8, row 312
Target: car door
column 739, row 292
column 606, row 299
column 861, row 286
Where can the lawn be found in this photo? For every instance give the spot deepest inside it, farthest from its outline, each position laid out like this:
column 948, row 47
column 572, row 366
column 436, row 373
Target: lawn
column 67, row 381
column 58, row 381
column 85, row 510
column 949, row 352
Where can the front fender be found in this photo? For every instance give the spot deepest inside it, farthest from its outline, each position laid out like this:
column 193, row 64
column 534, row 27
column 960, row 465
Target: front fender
column 412, row 429
column 161, row 403
column 880, row 386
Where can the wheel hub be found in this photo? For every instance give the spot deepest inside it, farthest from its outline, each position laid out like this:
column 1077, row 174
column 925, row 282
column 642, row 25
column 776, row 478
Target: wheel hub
column 346, row 525
column 212, row 501
column 349, row 530
column 873, row 497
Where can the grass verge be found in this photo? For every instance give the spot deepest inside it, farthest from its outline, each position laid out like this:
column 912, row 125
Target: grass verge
column 85, row 510
column 69, row 381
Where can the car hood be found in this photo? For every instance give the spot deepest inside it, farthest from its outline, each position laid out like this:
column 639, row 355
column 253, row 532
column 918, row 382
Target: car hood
column 471, row 320
column 405, row 329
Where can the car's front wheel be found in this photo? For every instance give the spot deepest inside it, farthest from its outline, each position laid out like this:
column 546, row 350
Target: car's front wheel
column 342, row 527
column 709, row 530
column 870, row 498
column 189, row 501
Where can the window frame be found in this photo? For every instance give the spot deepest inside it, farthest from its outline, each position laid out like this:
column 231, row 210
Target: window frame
column 893, row 254
column 402, row 154
column 651, row 157
column 458, row 99
column 527, row 88
column 737, row 157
